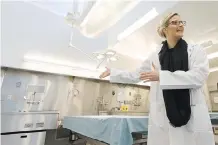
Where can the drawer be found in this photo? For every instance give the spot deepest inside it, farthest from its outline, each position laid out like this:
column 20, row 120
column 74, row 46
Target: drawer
column 28, row 122
column 36, row 138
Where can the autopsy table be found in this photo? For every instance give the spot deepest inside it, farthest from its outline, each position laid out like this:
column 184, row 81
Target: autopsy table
column 113, row 130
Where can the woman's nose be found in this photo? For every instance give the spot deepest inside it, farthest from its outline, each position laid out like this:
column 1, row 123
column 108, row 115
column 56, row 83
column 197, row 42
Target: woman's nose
column 181, row 24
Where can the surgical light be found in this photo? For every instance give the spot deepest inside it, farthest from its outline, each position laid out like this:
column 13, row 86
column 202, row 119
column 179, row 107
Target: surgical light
column 110, row 53
column 113, row 59
column 100, row 56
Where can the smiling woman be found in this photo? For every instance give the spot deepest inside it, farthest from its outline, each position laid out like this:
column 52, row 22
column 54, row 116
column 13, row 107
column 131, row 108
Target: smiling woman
column 172, row 26
column 177, row 72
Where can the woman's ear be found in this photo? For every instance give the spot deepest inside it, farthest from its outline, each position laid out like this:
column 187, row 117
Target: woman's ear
column 165, row 31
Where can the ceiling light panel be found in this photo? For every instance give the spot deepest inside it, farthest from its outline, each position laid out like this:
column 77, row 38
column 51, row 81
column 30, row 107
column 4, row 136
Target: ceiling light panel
column 138, row 24
column 108, row 12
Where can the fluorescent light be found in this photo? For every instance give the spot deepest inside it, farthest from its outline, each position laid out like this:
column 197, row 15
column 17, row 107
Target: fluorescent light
column 51, row 61
column 145, row 19
column 212, row 55
column 214, row 69
column 90, row 13
column 47, row 59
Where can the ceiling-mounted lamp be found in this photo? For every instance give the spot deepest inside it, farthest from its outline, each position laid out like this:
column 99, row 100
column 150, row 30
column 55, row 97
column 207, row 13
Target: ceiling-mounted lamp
column 100, row 56
column 145, row 19
column 113, row 58
column 107, row 56
column 111, row 53
column 71, row 19
column 74, row 14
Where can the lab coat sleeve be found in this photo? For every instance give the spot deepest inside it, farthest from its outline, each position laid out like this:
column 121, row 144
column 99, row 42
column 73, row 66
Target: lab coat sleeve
column 194, row 78
column 120, row 76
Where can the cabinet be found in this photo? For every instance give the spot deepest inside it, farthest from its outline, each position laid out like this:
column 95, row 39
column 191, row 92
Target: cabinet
column 36, row 138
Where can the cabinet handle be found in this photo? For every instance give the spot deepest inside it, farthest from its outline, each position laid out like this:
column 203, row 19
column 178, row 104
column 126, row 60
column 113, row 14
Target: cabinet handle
column 23, row 136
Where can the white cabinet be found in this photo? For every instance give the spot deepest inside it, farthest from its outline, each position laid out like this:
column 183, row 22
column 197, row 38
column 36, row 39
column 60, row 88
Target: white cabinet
column 26, row 128
column 28, row 121
column 36, row 138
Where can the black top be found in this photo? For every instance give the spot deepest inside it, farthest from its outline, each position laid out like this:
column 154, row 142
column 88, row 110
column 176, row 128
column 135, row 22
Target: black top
column 177, row 101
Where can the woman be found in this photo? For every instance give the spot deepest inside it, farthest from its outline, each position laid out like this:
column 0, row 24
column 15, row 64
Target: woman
column 177, row 72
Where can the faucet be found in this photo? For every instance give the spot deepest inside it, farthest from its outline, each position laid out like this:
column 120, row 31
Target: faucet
column 113, row 109
column 101, row 104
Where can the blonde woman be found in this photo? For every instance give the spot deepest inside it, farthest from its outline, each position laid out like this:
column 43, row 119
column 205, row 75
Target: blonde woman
column 177, row 72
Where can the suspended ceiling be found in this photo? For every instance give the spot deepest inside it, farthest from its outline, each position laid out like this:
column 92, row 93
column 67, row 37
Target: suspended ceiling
column 39, row 30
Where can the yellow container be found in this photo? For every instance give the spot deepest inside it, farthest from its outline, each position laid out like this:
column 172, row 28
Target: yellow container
column 124, row 108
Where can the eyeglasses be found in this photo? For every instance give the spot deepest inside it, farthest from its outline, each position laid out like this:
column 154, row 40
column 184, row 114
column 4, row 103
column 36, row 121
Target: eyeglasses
column 177, row 23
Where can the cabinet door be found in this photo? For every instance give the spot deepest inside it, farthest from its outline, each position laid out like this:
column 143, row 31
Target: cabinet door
column 24, row 139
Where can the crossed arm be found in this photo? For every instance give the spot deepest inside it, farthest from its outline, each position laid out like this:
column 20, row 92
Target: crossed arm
column 194, row 78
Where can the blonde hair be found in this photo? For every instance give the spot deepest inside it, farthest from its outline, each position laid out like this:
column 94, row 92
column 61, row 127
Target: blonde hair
column 164, row 23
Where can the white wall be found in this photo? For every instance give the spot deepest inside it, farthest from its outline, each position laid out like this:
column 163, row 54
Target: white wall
column 213, row 89
column 59, row 96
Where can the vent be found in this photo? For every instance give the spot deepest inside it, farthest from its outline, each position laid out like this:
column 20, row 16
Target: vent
column 41, row 124
column 28, row 125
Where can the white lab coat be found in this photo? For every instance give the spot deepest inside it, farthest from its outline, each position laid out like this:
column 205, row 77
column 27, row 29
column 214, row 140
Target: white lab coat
column 198, row 131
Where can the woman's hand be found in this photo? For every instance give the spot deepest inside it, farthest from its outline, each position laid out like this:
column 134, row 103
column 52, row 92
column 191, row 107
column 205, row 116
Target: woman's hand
column 105, row 73
column 150, row 76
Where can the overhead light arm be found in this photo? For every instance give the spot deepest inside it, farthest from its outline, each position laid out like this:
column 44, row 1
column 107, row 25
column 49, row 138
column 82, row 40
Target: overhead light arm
column 73, row 17
column 86, row 54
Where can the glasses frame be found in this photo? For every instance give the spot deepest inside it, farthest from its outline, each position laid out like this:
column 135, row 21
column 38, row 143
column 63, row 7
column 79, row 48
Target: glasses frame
column 176, row 23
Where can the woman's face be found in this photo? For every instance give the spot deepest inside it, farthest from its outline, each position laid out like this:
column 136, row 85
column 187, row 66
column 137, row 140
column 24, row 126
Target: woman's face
column 175, row 27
